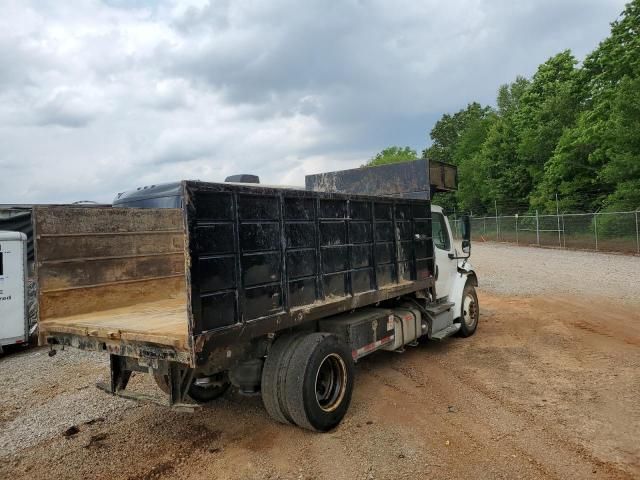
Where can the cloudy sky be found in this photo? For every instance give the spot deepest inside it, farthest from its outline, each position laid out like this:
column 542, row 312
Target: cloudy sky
column 98, row 97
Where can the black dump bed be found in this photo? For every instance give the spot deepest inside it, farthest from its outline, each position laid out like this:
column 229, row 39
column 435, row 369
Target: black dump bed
column 264, row 258
column 230, row 263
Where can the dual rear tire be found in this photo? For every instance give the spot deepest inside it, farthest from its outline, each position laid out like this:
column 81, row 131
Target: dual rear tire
column 308, row 380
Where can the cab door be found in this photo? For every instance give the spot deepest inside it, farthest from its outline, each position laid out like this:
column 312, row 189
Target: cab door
column 446, row 268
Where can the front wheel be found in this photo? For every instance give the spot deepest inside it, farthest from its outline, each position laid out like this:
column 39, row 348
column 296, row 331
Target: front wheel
column 470, row 311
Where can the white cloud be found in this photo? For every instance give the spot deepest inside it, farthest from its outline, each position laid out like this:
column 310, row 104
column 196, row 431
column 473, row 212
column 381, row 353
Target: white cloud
column 98, row 97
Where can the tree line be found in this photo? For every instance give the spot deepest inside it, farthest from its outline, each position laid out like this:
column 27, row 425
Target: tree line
column 571, row 130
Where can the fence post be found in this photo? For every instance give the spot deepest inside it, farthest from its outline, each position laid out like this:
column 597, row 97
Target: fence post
column 495, row 202
column 595, row 228
column 517, row 243
column 558, row 219
column 537, row 228
column 637, row 235
column 564, row 234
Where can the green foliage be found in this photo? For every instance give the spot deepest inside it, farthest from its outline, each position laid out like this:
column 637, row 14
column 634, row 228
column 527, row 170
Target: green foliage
column 393, row 155
column 473, row 190
column 447, row 131
column 618, row 56
column 548, row 106
column 568, row 131
column 621, row 142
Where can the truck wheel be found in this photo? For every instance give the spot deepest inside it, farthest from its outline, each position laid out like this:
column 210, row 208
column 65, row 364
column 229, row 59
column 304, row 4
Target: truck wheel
column 319, row 382
column 273, row 376
column 202, row 390
column 470, row 311
column 207, row 389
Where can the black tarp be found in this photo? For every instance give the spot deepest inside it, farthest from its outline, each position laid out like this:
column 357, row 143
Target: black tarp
column 19, row 220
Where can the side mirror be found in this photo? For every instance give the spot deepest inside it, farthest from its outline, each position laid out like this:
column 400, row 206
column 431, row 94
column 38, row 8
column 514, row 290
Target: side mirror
column 466, row 234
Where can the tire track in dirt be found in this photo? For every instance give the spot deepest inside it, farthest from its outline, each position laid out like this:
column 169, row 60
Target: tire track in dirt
column 524, row 394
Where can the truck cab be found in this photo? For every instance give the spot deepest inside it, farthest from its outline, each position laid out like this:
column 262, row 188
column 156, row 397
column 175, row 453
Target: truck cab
column 454, row 274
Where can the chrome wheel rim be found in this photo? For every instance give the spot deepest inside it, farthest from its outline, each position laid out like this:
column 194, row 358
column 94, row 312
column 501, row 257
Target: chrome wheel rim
column 469, row 311
column 331, row 382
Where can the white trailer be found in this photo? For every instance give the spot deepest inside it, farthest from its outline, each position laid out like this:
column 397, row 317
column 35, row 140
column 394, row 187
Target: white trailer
column 14, row 320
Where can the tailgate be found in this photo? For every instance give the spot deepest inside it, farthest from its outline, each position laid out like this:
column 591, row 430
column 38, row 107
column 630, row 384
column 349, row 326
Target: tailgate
column 113, row 279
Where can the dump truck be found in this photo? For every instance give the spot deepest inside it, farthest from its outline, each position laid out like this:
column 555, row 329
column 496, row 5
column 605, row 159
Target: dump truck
column 275, row 291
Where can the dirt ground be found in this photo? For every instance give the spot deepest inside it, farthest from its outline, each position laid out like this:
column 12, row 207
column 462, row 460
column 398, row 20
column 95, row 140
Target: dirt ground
column 549, row 387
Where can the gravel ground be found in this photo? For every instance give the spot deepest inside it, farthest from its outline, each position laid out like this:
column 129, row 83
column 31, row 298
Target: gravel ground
column 528, row 271
column 547, row 388
column 55, row 393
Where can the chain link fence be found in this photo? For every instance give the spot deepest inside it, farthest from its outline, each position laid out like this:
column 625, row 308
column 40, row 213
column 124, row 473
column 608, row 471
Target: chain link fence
column 602, row 231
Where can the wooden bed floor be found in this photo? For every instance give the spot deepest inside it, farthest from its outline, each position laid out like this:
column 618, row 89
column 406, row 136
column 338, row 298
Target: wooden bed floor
column 164, row 322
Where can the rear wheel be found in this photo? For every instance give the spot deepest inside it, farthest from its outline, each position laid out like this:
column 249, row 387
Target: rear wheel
column 273, row 376
column 470, row 311
column 319, row 382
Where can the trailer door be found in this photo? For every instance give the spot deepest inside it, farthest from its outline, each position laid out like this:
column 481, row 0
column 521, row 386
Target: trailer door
column 12, row 288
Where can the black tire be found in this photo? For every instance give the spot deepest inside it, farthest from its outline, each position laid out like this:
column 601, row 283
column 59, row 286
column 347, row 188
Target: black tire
column 198, row 393
column 470, row 311
column 319, row 382
column 273, row 376
column 203, row 393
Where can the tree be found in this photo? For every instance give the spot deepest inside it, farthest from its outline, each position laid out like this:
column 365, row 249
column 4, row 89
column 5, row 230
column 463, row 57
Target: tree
column 509, row 95
column 500, row 175
column 447, row 131
column 595, row 163
column 393, row 155
column 622, row 143
column 471, row 177
column 455, row 139
column 549, row 105
column 570, row 131
column 618, row 56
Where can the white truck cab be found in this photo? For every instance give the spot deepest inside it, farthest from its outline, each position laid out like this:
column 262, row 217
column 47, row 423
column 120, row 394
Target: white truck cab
column 455, row 278
column 14, row 326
